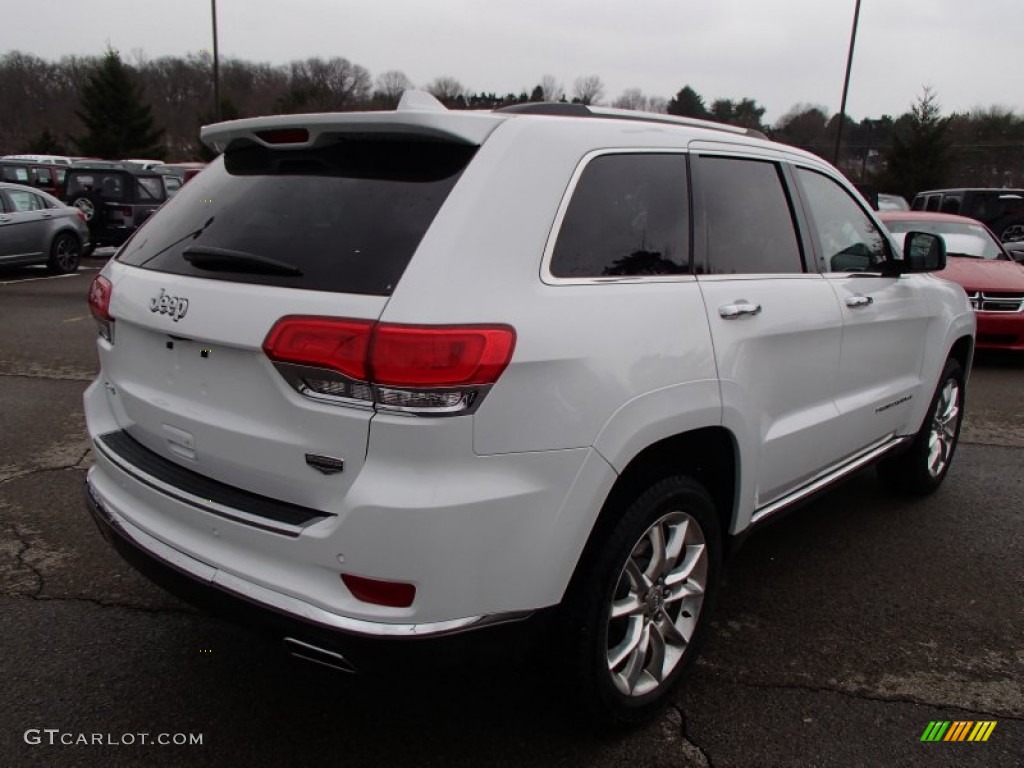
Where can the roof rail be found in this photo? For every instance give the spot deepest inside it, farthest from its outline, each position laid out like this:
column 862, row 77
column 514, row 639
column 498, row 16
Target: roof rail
column 562, row 109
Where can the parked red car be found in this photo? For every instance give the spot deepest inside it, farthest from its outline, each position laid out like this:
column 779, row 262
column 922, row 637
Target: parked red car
column 978, row 261
column 44, row 176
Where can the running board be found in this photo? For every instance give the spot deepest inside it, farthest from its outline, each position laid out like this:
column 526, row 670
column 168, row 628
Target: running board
column 828, row 478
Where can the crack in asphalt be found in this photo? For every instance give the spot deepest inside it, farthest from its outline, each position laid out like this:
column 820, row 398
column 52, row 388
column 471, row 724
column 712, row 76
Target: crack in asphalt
column 684, row 732
column 77, row 464
column 40, row 598
column 19, row 558
column 866, row 696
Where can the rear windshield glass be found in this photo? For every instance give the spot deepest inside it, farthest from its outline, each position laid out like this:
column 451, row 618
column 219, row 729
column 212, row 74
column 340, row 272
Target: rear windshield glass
column 107, row 186
column 344, row 218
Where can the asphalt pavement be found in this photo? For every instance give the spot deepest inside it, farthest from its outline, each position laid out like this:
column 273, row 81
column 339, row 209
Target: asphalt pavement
column 842, row 631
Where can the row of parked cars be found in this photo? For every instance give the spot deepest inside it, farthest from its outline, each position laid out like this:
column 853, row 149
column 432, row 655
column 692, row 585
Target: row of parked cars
column 56, row 210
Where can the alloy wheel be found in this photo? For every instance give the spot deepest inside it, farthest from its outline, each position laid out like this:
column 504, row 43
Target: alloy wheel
column 945, row 420
column 656, row 604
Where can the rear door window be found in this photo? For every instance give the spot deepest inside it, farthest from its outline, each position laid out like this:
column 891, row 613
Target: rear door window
column 346, row 218
column 746, row 218
column 628, row 217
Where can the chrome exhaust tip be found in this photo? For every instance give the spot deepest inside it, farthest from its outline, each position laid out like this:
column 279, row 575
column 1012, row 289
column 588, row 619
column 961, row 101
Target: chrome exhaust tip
column 303, row 650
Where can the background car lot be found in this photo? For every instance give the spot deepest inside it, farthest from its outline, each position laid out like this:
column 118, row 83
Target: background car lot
column 841, row 631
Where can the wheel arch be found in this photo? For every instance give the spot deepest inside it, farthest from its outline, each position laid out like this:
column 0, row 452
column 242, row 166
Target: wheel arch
column 963, row 352
column 709, row 455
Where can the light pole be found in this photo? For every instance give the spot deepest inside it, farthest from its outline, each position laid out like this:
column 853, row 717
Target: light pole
column 846, row 84
column 216, row 66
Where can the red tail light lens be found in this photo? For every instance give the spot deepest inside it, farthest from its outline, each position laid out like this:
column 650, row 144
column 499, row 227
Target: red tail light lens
column 394, row 594
column 323, row 342
column 439, row 356
column 81, row 216
column 100, row 293
column 416, row 368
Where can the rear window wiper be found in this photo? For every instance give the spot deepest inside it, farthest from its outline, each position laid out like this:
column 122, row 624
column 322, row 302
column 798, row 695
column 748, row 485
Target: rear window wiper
column 225, row 260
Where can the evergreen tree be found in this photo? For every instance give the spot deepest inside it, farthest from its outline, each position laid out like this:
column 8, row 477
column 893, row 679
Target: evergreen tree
column 47, row 144
column 118, row 122
column 688, row 103
column 920, row 155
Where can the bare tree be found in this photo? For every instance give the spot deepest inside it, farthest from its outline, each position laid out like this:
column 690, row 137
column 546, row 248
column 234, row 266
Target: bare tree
column 551, row 89
column 448, row 91
column 634, row 98
column 631, row 98
column 588, row 89
column 391, row 85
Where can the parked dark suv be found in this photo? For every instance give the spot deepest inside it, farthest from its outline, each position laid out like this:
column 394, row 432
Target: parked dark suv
column 1002, row 210
column 115, row 201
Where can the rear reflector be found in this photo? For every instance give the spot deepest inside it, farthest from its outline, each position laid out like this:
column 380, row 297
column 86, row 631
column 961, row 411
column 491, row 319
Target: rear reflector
column 394, row 594
column 285, row 136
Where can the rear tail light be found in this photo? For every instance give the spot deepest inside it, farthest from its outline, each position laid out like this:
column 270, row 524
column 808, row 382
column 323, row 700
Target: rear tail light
column 394, row 594
column 413, row 368
column 100, row 293
column 81, row 216
column 126, row 211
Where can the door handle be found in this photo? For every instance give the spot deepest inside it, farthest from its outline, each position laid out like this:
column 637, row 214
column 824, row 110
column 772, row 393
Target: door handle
column 740, row 308
column 46, row 215
column 859, row 301
column 4, row 219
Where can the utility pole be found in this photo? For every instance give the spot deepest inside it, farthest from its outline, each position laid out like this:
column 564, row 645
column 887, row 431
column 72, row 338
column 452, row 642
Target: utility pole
column 216, row 66
column 846, row 84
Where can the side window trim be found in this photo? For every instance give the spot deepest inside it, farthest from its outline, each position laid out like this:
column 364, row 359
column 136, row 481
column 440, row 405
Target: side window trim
column 548, row 278
column 790, row 190
column 819, row 251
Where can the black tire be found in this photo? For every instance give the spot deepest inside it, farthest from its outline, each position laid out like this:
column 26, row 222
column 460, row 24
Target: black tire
column 65, row 254
column 611, row 574
column 921, row 469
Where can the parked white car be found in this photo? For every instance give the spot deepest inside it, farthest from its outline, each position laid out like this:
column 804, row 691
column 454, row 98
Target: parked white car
column 383, row 376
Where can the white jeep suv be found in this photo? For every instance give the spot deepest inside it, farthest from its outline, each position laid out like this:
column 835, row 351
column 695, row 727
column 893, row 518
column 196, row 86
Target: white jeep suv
column 391, row 375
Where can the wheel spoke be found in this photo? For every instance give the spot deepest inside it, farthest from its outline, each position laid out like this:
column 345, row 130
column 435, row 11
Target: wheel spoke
column 635, row 667
column 637, row 576
column 672, row 634
column 656, row 664
column 676, row 540
column 656, row 568
column 634, row 634
column 682, row 591
column 631, row 605
column 694, row 556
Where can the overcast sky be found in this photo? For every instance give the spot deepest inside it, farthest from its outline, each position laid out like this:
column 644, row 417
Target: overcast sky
column 780, row 52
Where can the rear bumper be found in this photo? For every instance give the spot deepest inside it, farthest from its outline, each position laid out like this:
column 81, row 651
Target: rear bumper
column 209, row 587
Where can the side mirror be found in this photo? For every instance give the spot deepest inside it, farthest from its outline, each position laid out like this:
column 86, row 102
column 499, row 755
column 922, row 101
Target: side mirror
column 923, row 252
